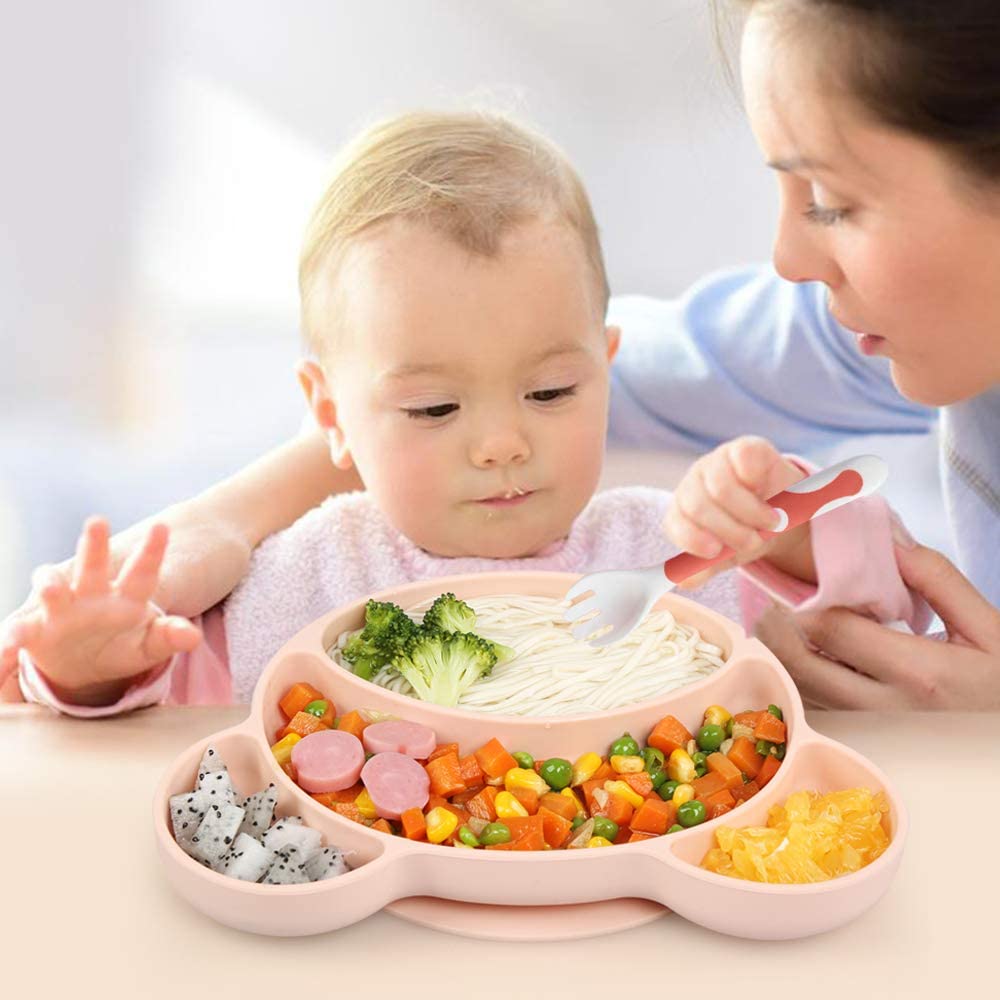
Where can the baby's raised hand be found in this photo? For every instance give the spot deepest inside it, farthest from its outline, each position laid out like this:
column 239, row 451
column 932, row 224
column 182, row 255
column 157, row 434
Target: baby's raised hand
column 721, row 502
column 91, row 634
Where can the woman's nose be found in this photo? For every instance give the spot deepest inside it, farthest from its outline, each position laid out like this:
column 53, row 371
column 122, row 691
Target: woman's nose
column 799, row 250
column 506, row 446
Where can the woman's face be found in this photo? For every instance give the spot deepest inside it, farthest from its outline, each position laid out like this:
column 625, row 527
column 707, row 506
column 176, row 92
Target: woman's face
column 908, row 248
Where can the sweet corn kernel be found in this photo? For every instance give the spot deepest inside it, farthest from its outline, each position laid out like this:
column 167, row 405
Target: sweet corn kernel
column 585, row 768
column 574, row 798
column 441, row 824
column 506, row 806
column 598, row 842
column 624, row 791
column 526, row 779
column 282, row 750
column 716, row 715
column 627, row 764
column 365, row 805
column 682, row 794
column 681, row 767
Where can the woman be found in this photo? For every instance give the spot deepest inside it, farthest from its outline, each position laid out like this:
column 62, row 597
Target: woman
column 882, row 122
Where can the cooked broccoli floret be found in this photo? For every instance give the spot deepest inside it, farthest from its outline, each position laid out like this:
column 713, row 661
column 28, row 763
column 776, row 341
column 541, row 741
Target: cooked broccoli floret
column 441, row 666
column 387, row 628
column 449, row 614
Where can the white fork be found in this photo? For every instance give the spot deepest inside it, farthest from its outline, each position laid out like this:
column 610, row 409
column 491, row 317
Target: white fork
column 622, row 598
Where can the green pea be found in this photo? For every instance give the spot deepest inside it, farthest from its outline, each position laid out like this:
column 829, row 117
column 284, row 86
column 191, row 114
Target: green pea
column 604, row 827
column 729, row 729
column 523, row 759
column 710, row 737
column 675, row 828
column 469, row 838
column 667, row 790
column 624, row 746
column 763, row 747
column 691, row 813
column 317, row 708
column 495, row 833
column 557, row 772
column 578, row 820
column 776, row 712
column 653, row 759
column 778, row 751
column 658, row 777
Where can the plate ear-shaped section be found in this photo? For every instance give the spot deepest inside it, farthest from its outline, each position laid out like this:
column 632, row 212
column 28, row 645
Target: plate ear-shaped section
column 376, row 878
column 776, row 912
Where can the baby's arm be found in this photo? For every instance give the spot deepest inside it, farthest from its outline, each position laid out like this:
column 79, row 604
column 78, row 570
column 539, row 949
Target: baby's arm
column 95, row 636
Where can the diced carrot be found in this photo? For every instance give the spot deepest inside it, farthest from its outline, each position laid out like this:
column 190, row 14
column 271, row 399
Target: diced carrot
column 538, row 766
column 723, row 797
column 561, row 805
column 436, row 802
column 297, row 697
column 743, row 754
column 616, row 808
column 708, row 784
column 719, row 763
column 289, row 768
column 463, row 798
column 719, row 809
column 472, row 773
column 668, row 735
column 622, row 836
column 747, row 791
column 637, row 835
column 495, row 759
column 414, row 825
column 588, row 788
column 747, row 718
column 347, row 795
column 769, row 728
column 348, row 810
column 303, row 723
column 483, row 804
column 382, row 825
column 640, row 781
column 352, row 723
column 528, row 798
column 767, row 770
column 445, row 774
column 654, row 816
column 441, row 749
column 604, row 773
column 555, row 828
column 527, row 833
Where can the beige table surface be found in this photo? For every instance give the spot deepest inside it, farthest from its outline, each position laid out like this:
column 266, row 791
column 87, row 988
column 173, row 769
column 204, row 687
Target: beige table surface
column 86, row 911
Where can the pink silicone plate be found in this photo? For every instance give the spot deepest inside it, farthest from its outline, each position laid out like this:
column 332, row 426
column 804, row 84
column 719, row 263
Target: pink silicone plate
column 663, row 870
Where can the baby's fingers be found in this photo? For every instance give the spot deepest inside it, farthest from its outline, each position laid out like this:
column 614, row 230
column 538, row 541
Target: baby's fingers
column 702, row 510
column 141, row 572
column 687, row 536
column 54, row 591
column 93, row 559
column 723, row 485
column 168, row 635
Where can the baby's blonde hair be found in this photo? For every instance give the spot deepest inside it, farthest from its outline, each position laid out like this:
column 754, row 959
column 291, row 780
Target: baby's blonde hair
column 472, row 176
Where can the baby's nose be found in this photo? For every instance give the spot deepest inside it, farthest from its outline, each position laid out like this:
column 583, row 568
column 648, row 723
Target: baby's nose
column 506, row 448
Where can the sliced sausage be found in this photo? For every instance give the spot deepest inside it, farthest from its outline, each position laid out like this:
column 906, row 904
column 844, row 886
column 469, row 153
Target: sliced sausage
column 409, row 738
column 395, row 783
column 328, row 761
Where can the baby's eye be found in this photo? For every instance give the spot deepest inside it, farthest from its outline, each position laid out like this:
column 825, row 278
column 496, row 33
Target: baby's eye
column 548, row 395
column 432, row 412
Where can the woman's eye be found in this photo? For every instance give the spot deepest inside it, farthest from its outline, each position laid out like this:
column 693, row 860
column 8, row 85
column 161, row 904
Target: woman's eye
column 432, row 412
column 825, row 216
column 548, row 395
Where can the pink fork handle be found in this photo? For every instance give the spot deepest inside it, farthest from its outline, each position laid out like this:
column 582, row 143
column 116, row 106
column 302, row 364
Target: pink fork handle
column 800, row 507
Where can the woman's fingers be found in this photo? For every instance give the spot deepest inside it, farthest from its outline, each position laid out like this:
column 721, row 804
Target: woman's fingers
column 168, row 635
column 821, row 680
column 141, row 571
column 964, row 611
column 93, row 559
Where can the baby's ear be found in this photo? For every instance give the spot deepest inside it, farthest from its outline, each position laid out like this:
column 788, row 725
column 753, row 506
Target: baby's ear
column 314, row 384
column 614, row 336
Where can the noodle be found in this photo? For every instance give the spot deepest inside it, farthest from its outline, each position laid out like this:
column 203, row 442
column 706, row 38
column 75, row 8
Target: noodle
column 555, row 674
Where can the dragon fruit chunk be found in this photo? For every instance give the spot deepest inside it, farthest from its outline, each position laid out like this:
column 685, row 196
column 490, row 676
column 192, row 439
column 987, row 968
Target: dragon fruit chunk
column 248, row 860
column 259, row 809
column 287, row 868
column 216, row 833
column 187, row 810
column 282, row 835
column 329, row 863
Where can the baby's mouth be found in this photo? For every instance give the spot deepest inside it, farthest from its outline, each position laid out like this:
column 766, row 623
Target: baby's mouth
column 510, row 496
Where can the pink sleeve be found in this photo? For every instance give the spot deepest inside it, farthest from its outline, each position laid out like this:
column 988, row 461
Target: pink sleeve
column 855, row 566
column 200, row 677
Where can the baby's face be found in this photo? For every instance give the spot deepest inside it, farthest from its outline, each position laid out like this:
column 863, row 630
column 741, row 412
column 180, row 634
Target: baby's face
column 470, row 392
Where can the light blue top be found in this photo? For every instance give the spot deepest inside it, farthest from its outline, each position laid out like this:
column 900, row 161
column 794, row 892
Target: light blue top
column 744, row 352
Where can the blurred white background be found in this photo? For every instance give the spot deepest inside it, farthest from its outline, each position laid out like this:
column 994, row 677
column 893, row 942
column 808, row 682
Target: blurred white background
column 160, row 160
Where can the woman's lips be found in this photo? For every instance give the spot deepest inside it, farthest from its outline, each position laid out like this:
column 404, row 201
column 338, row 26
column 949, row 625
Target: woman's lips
column 869, row 344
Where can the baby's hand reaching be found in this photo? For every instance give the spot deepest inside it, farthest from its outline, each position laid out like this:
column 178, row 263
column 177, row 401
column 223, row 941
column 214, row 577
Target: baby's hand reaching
column 721, row 502
column 92, row 635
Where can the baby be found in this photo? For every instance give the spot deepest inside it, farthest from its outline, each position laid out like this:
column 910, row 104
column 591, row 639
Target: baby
column 453, row 301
